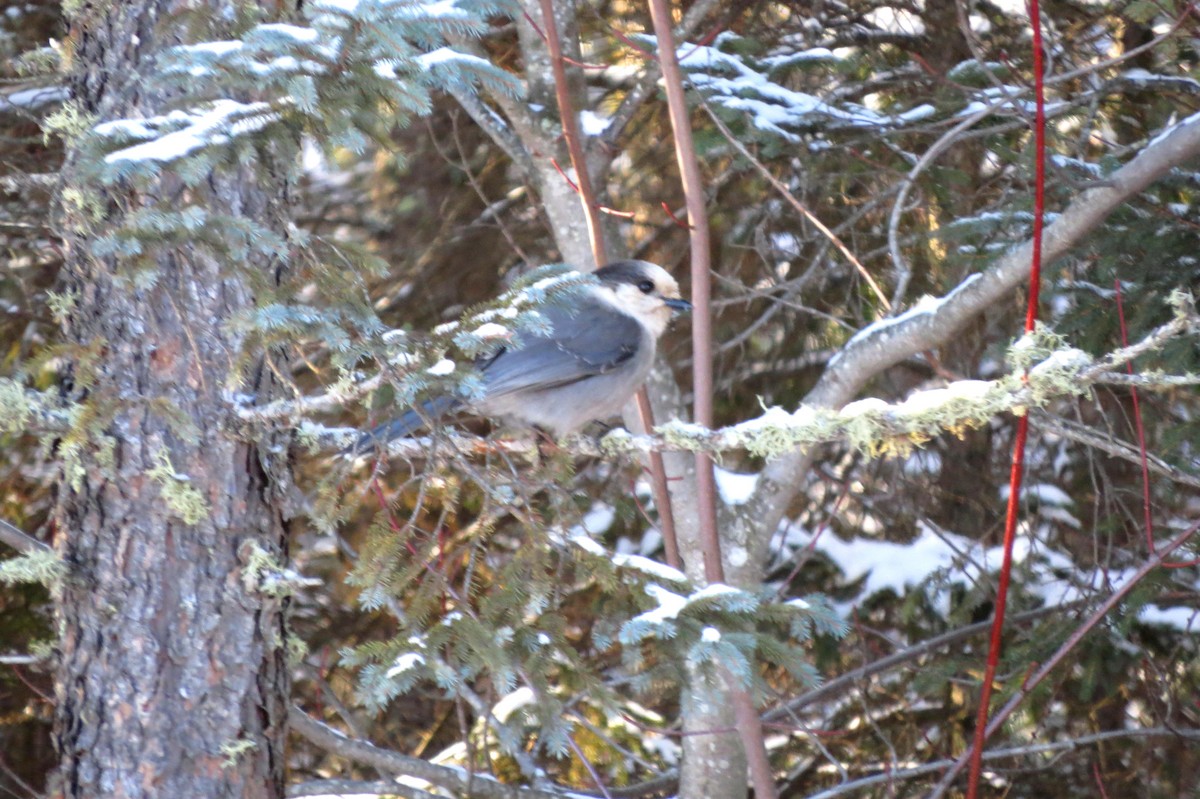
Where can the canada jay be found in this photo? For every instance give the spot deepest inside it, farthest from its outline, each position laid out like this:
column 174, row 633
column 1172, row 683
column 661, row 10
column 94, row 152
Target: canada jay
column 595, row 355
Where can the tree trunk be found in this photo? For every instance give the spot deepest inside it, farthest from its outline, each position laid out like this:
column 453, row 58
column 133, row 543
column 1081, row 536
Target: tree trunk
column 173, row 679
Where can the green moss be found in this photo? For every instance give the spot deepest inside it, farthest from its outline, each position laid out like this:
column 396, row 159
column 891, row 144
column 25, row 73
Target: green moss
column 183, row 498
column 39, row 566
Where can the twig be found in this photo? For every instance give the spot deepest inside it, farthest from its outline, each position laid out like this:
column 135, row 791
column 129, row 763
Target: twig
column 749, row 728
column 1000, row 754
column 19, row 540
column 329, row 739
column 328, row 788
column 802, row 209
column 591, row 210
column 869, row 355
column 1105, row 442
column 996, row 640
column 844, row 681
column 570, row 128
column 1065, row 649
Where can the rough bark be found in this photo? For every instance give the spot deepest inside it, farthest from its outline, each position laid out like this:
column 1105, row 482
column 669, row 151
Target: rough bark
column 172, row 679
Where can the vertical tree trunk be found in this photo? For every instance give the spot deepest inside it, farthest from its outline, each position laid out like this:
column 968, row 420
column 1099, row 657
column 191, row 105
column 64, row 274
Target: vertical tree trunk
column 173, row 678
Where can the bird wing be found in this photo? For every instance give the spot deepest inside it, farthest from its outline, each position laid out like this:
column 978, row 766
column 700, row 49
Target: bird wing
column 586, row 339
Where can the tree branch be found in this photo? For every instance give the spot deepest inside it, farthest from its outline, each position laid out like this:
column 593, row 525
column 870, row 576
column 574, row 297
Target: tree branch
column 1115, row 447
column 867, row 355
column 888, row 775
column 358, row 787
column 19, row 540
column 477, row 785
column 1052, row 662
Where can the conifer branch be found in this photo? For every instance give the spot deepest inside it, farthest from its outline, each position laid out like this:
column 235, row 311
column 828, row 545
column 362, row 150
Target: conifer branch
column 479, row 785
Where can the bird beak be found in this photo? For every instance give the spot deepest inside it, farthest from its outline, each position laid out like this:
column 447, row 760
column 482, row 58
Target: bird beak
column 677, row 305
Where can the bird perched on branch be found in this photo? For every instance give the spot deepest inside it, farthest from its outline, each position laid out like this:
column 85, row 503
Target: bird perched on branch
column 595, row 354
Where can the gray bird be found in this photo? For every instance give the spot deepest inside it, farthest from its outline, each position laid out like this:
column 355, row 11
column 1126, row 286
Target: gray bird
column 596, row 354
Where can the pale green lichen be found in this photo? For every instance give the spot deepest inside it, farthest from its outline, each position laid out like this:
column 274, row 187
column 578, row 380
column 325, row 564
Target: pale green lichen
column 61, row 305
column 15, row 407
column 617, row 442
column 1034, row 347
column 70, row 121
column 1058, row 375
column 297, row 650
column 233, row 750
column 183, row 498
column 37, row 566
column 778, row 431
column 684, row 436
column 263, row 574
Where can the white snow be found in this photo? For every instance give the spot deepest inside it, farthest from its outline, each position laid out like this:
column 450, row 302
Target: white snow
column 599, row 518
column 735, row 488
column 522, row 697
column 1043, row 492
column 1169, row 129
column 925, row 305
column 294, row 32
column 669, row 605
column 712, row 590
column 592, row 124
column 443, row 55
column 29, row 99
column 733, row 83
column 491, row 330
column 710, row 635
column 406, row 662
column 651, row 567
column 443, row 367
column 896, row 567
column 581, row 540
column 223, row 121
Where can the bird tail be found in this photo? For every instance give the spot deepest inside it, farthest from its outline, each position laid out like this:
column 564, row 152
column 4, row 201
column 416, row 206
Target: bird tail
column 411, row 421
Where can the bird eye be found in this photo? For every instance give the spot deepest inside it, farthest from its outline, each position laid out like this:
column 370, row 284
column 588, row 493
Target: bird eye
column 646, row 286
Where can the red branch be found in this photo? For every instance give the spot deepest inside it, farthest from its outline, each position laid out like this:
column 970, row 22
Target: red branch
column 1060, row 654
column 1018, row 455
column 1141, row 437
column 592, row 210
column 749, row 727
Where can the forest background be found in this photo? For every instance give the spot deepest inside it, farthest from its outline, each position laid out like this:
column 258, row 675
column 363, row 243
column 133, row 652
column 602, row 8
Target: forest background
column 232, row 230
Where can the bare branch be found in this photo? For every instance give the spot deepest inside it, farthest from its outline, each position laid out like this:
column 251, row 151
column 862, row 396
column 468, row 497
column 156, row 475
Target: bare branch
column 19, row 539
column 889, row 775
column 358, row 787
column 484, row 787
column 1032, row 681
column 868, row 355
column 1105, row 442
column 843, row 681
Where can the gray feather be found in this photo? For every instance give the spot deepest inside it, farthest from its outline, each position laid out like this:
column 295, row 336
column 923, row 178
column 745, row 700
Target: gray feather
column 590, row 339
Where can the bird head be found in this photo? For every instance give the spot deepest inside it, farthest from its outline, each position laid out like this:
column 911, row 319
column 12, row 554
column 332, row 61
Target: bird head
column 644, row 290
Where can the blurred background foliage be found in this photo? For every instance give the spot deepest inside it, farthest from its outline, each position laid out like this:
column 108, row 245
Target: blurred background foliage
column 443, row 207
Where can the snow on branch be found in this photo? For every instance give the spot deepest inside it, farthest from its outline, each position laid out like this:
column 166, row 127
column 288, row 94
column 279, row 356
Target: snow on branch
column 879, row 428
column 738, row 83
column 413, row 367
column 181, row 133
column 870, row 425
column 351, row 56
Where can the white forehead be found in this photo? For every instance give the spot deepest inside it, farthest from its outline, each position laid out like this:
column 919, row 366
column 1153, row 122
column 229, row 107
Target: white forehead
column 661, row 277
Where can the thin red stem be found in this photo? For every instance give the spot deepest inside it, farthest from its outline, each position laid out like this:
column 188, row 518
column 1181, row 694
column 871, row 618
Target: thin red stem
column 749, row 726
column 570, row 126
column 1141, row 429
column 592, row 211
column 1141, row 437
column 996, row 641
column 1060, row 654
